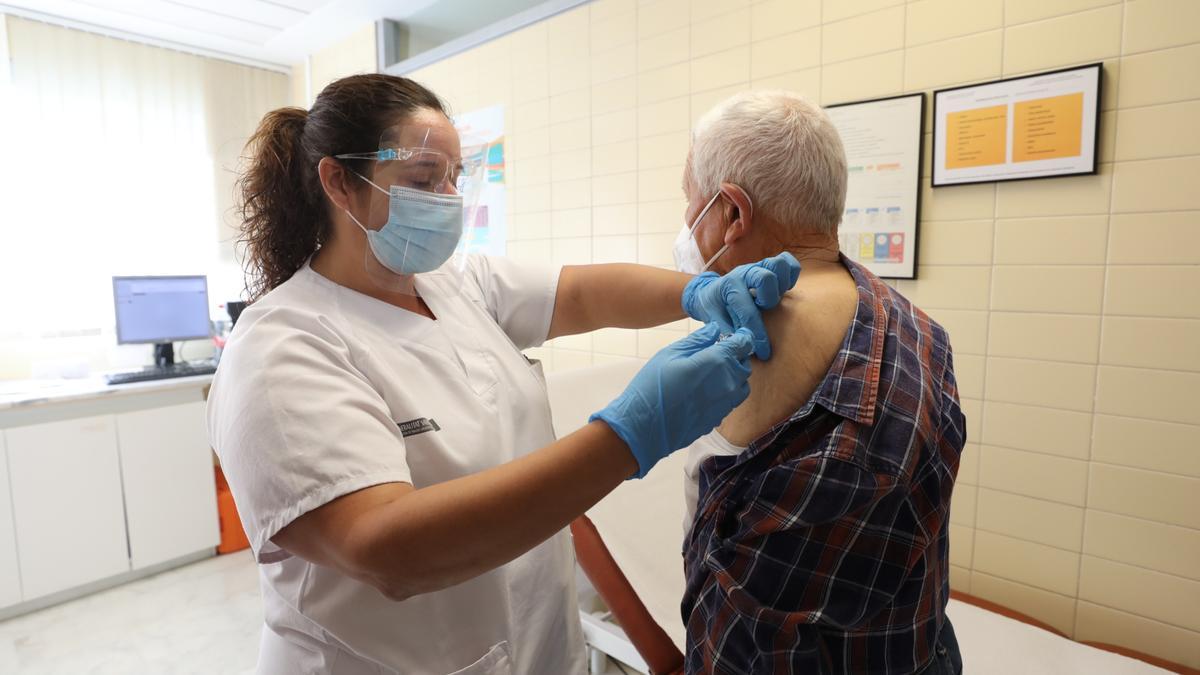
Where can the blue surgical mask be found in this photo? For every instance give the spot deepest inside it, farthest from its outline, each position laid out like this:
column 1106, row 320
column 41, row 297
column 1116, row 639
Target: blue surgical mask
column 421, row 232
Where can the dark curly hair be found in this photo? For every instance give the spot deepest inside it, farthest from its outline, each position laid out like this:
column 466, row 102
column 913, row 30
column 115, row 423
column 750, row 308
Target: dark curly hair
column 285, row 215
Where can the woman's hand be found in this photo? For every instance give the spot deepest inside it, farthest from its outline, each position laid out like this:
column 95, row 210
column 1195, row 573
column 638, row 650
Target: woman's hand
column 734, row 300
column 681, row 394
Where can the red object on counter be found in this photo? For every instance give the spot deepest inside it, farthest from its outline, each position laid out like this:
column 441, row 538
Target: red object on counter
column 233, row 537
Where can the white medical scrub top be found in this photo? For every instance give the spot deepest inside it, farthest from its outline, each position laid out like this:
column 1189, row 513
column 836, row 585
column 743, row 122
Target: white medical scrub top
column 322, row 391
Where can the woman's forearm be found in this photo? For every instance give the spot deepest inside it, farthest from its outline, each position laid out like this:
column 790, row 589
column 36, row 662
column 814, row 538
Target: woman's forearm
column 617, row 295
column 447, row 533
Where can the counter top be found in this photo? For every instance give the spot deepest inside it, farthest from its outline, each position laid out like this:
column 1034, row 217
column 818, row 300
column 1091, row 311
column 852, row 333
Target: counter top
column 26, row 393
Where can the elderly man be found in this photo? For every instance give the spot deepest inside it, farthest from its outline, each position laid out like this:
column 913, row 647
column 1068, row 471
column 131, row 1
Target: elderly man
column 818, row 541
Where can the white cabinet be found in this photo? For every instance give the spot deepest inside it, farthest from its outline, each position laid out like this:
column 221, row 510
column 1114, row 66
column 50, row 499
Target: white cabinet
column 10, row 577
column 170, row 490
column 66, row 499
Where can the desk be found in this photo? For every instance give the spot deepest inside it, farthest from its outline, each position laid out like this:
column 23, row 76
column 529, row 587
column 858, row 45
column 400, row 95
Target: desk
column 100, row 484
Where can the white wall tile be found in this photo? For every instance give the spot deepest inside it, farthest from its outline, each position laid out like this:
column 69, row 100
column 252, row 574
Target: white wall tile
column 964, row 59
column 663, row 117
column 1037, row 565
column 723, row 69
column 721, row 33
column 1063, row 240
column 614, row 249
column 785, row 53
column 949, row 287
column 1151, row 343
column 777, row 17
column 1152, row 290
column 1038, row 429
column 1037, row 520
column 660, row 217
column 1074, row 289
column 664, row 83
column 836, row 10
column 1156, row 185
column 1122, row 440
column 669, row 149
column 1034, row 474
column 934, row 20
column 664, row 50
column 1151, row 495
column 863, row 35
column 1103, row 624
column 1024, row 11
column 614, row 219
column 870, row 77
column 659, row 17
column 1154, row 238
column 1164, row 395
column 1140, row 591
column 1147, row 79
column 1158, row 131
column 1144, row 543
column 948, row 242
column 1049, row 337
column 1075, row 38
column 1156, row 24
column 1058, row 385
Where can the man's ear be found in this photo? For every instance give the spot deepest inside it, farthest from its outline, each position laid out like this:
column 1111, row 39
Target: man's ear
column 336, row 181
column 740, row 212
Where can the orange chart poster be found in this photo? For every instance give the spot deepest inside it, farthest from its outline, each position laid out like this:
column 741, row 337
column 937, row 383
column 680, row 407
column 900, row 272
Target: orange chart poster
column 976, row 137
column 1033, row 126
column 1047, row 128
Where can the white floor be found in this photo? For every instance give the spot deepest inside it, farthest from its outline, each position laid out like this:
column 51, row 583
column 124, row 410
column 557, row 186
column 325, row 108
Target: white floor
column 202, row 618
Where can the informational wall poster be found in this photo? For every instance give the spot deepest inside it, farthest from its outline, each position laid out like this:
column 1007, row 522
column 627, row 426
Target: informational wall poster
column 1036, row 126
column 883, row 156
column 482, row 134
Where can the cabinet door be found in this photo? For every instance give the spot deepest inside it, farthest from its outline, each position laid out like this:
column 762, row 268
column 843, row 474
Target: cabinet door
column 170, row 489
column 66, row 495
column 10, row 578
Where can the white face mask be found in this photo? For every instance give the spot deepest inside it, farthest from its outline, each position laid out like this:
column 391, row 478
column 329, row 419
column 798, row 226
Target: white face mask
column 688, row 258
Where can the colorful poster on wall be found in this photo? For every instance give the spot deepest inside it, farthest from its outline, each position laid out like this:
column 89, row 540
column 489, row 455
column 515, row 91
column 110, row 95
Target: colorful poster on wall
column 482, row 133
column 882, row 139
column 1035, row 126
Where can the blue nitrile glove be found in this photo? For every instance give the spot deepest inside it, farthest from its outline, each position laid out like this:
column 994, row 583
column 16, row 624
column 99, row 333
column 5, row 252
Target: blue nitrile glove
column 733, row 301
column 681, row 394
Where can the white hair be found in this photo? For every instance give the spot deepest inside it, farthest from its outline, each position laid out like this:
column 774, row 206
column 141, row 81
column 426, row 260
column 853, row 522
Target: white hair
column 782, row 150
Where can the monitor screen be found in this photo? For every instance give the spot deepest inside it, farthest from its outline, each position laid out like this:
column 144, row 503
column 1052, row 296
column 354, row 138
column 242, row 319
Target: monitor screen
column 161, row 309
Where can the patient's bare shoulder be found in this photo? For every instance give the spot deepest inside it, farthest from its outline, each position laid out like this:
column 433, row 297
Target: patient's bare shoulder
column 806, row 331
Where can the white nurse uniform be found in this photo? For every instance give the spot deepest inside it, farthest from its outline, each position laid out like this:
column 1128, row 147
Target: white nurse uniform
column 322, row 391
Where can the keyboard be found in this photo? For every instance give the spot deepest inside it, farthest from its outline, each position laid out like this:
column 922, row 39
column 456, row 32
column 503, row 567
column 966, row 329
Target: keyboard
column 156, row 373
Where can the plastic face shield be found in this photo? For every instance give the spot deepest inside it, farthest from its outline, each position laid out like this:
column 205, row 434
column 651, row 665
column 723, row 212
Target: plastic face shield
column 424, row 192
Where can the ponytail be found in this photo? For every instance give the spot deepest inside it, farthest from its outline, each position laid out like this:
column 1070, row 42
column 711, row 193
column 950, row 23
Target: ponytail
column 280, row 226
column 285, row 215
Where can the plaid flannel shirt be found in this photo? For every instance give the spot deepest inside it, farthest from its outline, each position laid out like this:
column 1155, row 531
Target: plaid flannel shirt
column 823, row 548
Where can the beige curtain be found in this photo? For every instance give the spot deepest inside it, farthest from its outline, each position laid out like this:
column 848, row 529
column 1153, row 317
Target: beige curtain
column 118, row 158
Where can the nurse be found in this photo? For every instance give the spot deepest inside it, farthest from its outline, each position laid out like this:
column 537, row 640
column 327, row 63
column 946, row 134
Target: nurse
column 389, row 447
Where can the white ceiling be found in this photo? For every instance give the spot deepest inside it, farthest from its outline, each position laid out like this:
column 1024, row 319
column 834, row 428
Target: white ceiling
column 280, row 32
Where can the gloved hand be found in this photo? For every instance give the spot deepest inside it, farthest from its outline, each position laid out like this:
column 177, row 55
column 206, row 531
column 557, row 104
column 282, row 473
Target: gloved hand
column 681, row 394
column 729, row 302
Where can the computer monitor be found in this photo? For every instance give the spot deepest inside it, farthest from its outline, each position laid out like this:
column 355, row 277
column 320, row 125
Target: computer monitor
column 161, row 310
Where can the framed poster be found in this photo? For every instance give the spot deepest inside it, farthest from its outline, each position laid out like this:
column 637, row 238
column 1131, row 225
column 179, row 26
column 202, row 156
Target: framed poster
column 883, row 145
column 482, row 132
column 1034, row 126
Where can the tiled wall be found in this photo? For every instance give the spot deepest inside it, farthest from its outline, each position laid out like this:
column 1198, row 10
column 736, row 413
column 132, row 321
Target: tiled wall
column 353, row 54
column 1073, row 303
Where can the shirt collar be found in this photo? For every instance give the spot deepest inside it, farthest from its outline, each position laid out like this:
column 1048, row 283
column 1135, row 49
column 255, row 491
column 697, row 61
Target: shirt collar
column 851, row 387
